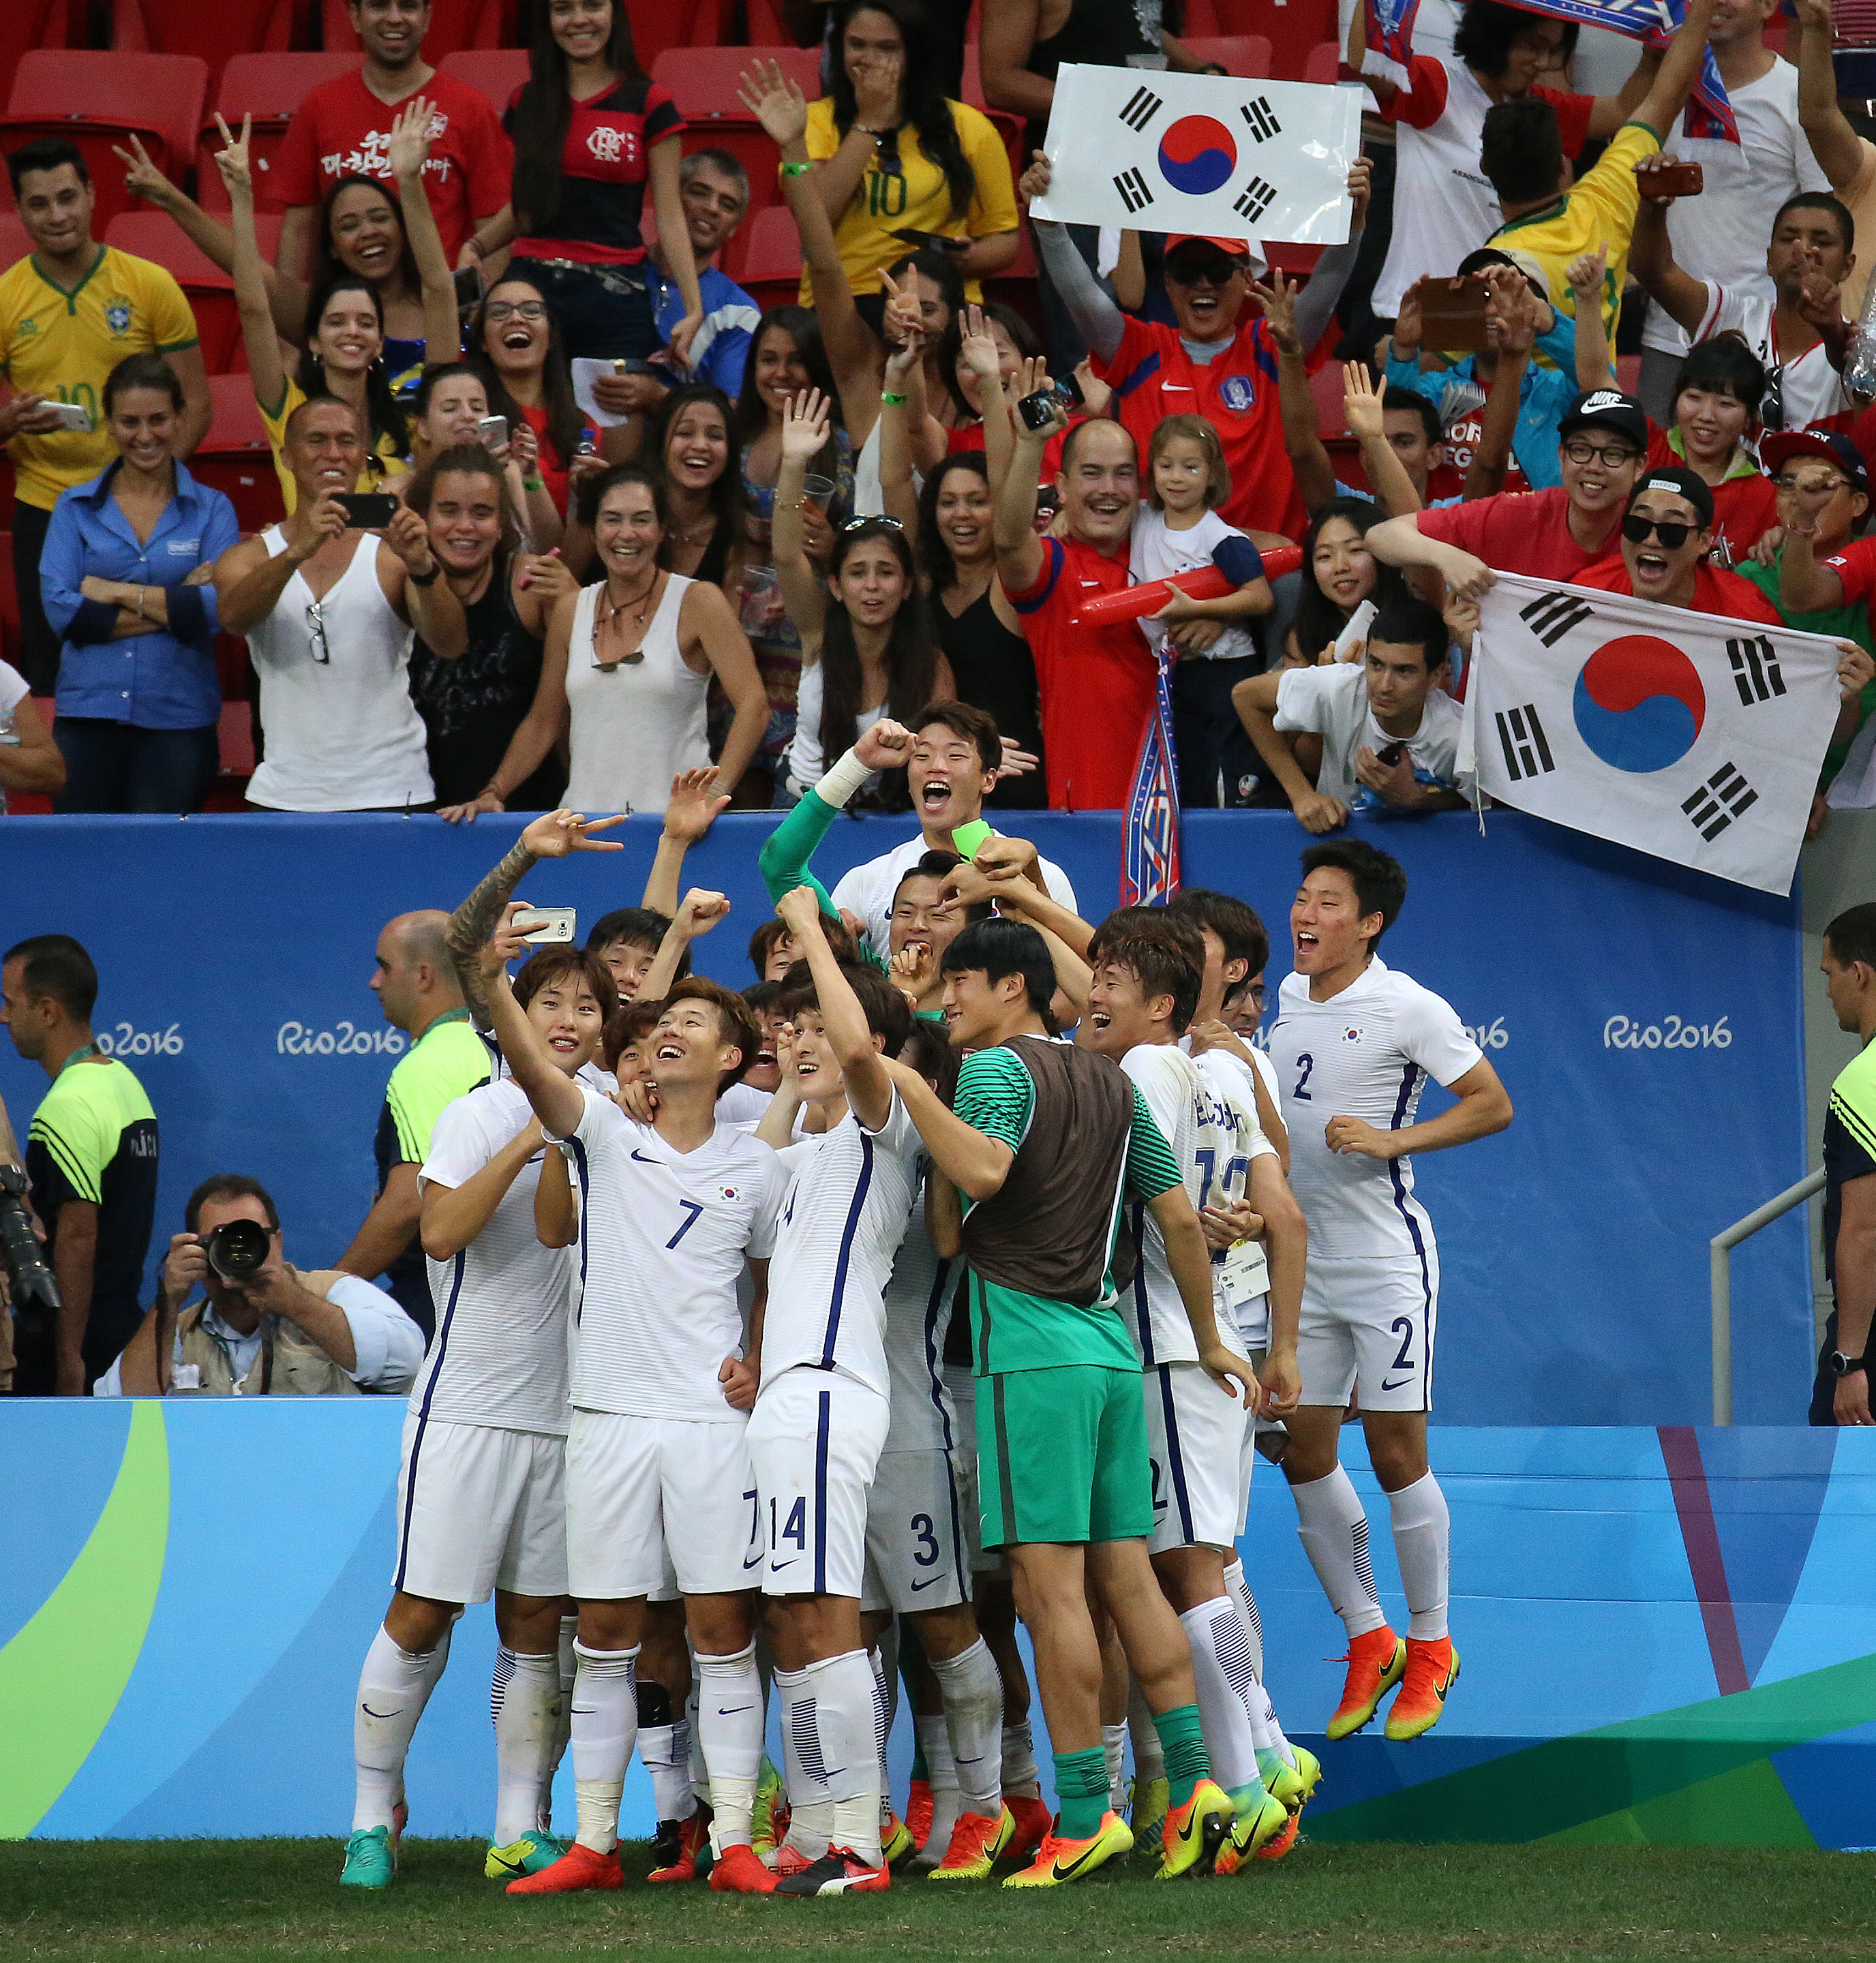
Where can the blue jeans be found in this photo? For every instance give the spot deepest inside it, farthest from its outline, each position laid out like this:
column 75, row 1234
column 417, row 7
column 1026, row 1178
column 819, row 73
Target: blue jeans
column 116, row 767
column 604, row 312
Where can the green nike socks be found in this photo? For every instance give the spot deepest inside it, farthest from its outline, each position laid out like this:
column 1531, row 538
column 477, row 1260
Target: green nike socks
column 1187, row 1762
column 1081, row 1792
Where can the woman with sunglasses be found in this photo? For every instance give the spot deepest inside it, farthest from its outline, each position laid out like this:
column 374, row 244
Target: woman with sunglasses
column 628, row 666
column 868, row 648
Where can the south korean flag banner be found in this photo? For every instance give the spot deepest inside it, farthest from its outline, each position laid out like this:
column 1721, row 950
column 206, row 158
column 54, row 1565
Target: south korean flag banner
column 1218, row 154
column 1684, row 735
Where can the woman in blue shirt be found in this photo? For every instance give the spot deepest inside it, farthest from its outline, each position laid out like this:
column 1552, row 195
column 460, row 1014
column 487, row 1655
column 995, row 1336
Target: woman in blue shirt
column 126, row 581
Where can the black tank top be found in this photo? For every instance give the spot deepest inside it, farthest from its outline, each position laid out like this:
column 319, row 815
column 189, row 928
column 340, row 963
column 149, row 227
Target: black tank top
column 1103, row 32
column 995, row 671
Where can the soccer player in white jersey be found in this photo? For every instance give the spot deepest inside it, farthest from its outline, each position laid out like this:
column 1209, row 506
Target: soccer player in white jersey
column 657, row 1461
column 1145, row 988
column 1354, row 1045
column 480, row 1499
column 823, row 1411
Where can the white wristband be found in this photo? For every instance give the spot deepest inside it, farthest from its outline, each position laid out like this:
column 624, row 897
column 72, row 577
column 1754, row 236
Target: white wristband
column 843, row 781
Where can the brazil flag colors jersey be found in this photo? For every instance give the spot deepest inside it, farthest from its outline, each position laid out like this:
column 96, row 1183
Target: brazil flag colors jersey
column 62, row 344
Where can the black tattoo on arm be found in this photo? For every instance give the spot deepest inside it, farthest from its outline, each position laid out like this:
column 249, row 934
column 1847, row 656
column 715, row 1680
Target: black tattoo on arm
column 474, row 921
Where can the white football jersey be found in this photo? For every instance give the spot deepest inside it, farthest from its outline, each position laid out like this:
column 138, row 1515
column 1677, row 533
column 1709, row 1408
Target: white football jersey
column 1366, row 1053
column 1209, row 1140
column 847, row 1204
column 1232, row 1079
column 918, row 1299
column 499, row 1356
column 663, row 1236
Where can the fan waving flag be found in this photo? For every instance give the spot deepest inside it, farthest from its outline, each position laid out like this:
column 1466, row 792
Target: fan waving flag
column 1149, row 843
column 1692, row 737
column 1216, row 155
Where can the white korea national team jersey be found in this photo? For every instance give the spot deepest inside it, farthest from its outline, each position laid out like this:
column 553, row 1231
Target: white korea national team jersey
column 1366, row 1053
column 1214, row 1144
column 1247, row 1304
column 664, row 1234
column 499, row 1356
column 846, row 1212
column 918, row 1299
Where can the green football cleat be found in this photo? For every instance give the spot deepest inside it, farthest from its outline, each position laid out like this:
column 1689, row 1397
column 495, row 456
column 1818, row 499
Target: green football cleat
column 370, row 1859
column 771, row 1797
column 527, row 1855
column 1147, row 1801
column 1260, row 1817
column 1296, row 1785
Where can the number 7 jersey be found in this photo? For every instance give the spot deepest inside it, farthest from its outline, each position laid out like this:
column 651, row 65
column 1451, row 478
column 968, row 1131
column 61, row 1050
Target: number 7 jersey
column 1364, row 1053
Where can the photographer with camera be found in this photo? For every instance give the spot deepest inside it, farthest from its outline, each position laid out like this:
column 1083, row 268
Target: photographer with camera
column 263, row 1328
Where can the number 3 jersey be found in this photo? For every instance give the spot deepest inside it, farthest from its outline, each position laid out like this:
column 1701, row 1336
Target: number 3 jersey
column 663, row 1236
column 1366, row 1053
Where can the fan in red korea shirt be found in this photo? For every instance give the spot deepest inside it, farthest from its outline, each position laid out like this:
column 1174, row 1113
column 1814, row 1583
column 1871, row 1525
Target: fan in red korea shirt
column 1666, row 532
column 1095, row 682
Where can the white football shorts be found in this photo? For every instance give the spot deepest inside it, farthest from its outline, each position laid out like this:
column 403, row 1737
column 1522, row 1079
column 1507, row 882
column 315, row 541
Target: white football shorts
column 479, row 1508
column 962, row 1386
column 1195, row 1438
column 917, row 1557
column 815, row 1441
column 650, row 1499
column 1368, row 1326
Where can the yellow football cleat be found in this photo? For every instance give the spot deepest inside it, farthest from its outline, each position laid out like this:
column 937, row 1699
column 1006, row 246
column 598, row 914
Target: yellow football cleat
column 1194, row 1832
column 1146, row 1812
column 1060, row 1862
column 1432, row 1669
column 976, row 1841
column 1259, row 1821
column 896, row 1844
column 1295, row 1785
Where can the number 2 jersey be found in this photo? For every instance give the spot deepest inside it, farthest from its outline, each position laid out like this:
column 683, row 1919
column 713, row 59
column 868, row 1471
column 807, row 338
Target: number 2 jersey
column 663, row 1235
column 1364, row 1053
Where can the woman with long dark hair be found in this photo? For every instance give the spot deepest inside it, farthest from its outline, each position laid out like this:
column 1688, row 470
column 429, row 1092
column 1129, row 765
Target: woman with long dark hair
column 868, row 646
column 1338, row 573
column 893, row 153
column 590, row 132
column 688, row 443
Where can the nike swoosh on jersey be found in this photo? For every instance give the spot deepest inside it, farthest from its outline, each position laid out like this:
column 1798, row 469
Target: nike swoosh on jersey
column 641, row 1157
column 755, row 1563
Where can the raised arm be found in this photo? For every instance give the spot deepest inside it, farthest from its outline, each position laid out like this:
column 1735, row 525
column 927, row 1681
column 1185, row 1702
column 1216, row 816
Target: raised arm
column 695, row 804
column 694, row 916
column 976, row 1164
column 1400, row 542
column 856, row 1048
column 258, row 334
column 411, row 578
column 408, row 149
column 1316, row 305
column 1837, row 147
column 1651, row 257
column 1302, row 427
column 804, row 430
column 1680, row 70
column 1013, row 521
column 556, row 1097
column 1387, row 475
column 248, row 583
column 1586, row 274
column 453, row 1215
column 673, row 238
column 1097, row 320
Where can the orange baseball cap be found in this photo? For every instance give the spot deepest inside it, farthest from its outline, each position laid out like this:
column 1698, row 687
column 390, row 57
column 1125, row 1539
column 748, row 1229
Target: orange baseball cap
column 1234, row 248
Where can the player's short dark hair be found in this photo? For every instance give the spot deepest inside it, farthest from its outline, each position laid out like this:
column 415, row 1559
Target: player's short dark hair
column 937, row 864
column 45, row 153
column 1379, row 879
column 1521, row 150
column 1820, row 201
column 735, row 1021
column 637, row 927
column 762, row 941
column 1178, row 930
column 228, row 1186
column 998, row 947
column 1235, row 923
column 927, row 1050
column 630, row 1023
column 56, row 966
column 888, row 1013
column 1852, row 935
column 549, row 966
column 760, row 995
column 1487, row 30
column 964, row 718
column 1160, row 967
column 1410, row 401
column 1727, row 366
column 1408, row 623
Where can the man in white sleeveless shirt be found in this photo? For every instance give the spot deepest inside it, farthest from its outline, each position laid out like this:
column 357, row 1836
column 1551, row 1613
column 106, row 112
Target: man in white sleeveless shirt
column 327, row 612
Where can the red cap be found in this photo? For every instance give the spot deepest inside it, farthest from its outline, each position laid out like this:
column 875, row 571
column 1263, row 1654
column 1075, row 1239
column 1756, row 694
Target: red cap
column 1234, row 248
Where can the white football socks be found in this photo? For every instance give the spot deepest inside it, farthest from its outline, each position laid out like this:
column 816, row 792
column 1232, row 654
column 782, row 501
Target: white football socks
column 605, row 1724
column 728, row 1694
column 810, row 1808
column 941, row 1773
column 1222, row 1676
column 1423, row 1531
column 569, row 1629
column 665, row 1752
column 885, row 1686
column 973, row 1694
column 1149, row 1756
column 529, row 1708
column 832, row 1721
column 1334, row 1529
column 1269, row 1729
column 1020, row 1773
column 394, row 1685
column 1114, row 1749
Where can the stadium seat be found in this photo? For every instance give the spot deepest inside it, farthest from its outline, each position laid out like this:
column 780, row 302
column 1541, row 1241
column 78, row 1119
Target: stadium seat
column 497, row 72
column 151, row 234
column 1293, row 26
column 702, row 83
column 216, row 32
column 95, row 100
column 235, row 457
column 1237, row 54
column 771, row 265
column 269, row 88
column 453, row 24
column 1325, row 385
column 25, row 25
column 15, row 244
column 659, row 24
column 1323, row 63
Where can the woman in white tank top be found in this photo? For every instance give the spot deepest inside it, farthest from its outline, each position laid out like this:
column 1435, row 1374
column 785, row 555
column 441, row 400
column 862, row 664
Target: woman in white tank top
column 628, row 665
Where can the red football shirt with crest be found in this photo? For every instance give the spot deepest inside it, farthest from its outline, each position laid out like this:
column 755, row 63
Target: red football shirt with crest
column 604, row 166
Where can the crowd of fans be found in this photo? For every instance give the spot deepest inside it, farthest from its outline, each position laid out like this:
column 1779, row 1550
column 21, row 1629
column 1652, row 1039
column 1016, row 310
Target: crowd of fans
column 640, row 525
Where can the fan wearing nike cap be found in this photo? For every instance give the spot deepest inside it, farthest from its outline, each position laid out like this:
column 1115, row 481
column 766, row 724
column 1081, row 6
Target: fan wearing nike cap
column 1212, row 363
column 672, row 1212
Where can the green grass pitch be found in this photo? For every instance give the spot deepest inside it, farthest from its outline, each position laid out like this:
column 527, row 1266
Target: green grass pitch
column 216, row 1902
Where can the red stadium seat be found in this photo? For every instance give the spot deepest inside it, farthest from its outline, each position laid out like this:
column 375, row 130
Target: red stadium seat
column 1325, row 385
column 1324, row 62
column 453, row 24
column 150, row 234
column 1237, row 54
column 269, row 88
column 1202, row 19
column 657, row 25
column 95, row 100
column 1293, row 26
column 25, row 25
column 771, row 267
column 497, row 72
column 702, row 83
column 235, row 457
column 215, row 32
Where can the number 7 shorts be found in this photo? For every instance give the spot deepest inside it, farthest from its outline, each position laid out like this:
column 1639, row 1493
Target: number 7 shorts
column 815, row 1441
column 1368, row 1326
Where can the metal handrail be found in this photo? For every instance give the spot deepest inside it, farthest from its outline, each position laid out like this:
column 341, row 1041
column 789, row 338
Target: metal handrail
column 1721, row 1260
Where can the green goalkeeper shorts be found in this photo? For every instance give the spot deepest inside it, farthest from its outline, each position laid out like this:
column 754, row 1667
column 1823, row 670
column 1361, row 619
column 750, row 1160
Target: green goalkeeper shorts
column 1062, row 1456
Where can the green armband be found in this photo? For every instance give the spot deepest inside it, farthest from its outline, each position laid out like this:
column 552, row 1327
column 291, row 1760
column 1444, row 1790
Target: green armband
column 796, row 170
column 891, row 401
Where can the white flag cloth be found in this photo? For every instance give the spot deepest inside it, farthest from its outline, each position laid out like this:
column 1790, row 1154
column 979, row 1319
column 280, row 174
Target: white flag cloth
column 1221, row 154
column 1695, row 738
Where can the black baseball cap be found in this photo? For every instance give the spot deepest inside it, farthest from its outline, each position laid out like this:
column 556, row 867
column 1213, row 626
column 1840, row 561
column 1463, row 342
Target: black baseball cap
column 1610, row 411
column 1830, row 445
column 1680, row 481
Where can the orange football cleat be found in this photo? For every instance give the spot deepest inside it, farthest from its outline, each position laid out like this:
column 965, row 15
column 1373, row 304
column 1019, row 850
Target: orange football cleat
column 578, row 1867
column 1376, row 1662
column 692, row 1843
column 739, row 1871
column 1432, row 1669
column 1033, row 1821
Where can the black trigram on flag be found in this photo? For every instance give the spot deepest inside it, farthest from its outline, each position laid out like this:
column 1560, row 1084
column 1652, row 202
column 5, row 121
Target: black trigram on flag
column 1724, row 796
column 1141, row 107
column 1754, row 670
column 1255, row 200
column 1133, row 194
column 1521, row 735
column 1551, row 615
column 1262, row 119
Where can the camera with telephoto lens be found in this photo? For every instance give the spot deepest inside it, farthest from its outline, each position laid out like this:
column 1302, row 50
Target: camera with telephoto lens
column 237, row 1249
column 35, row 1293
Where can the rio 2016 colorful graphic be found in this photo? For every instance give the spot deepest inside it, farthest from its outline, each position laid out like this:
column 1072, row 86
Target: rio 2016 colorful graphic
column 187, row 1588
